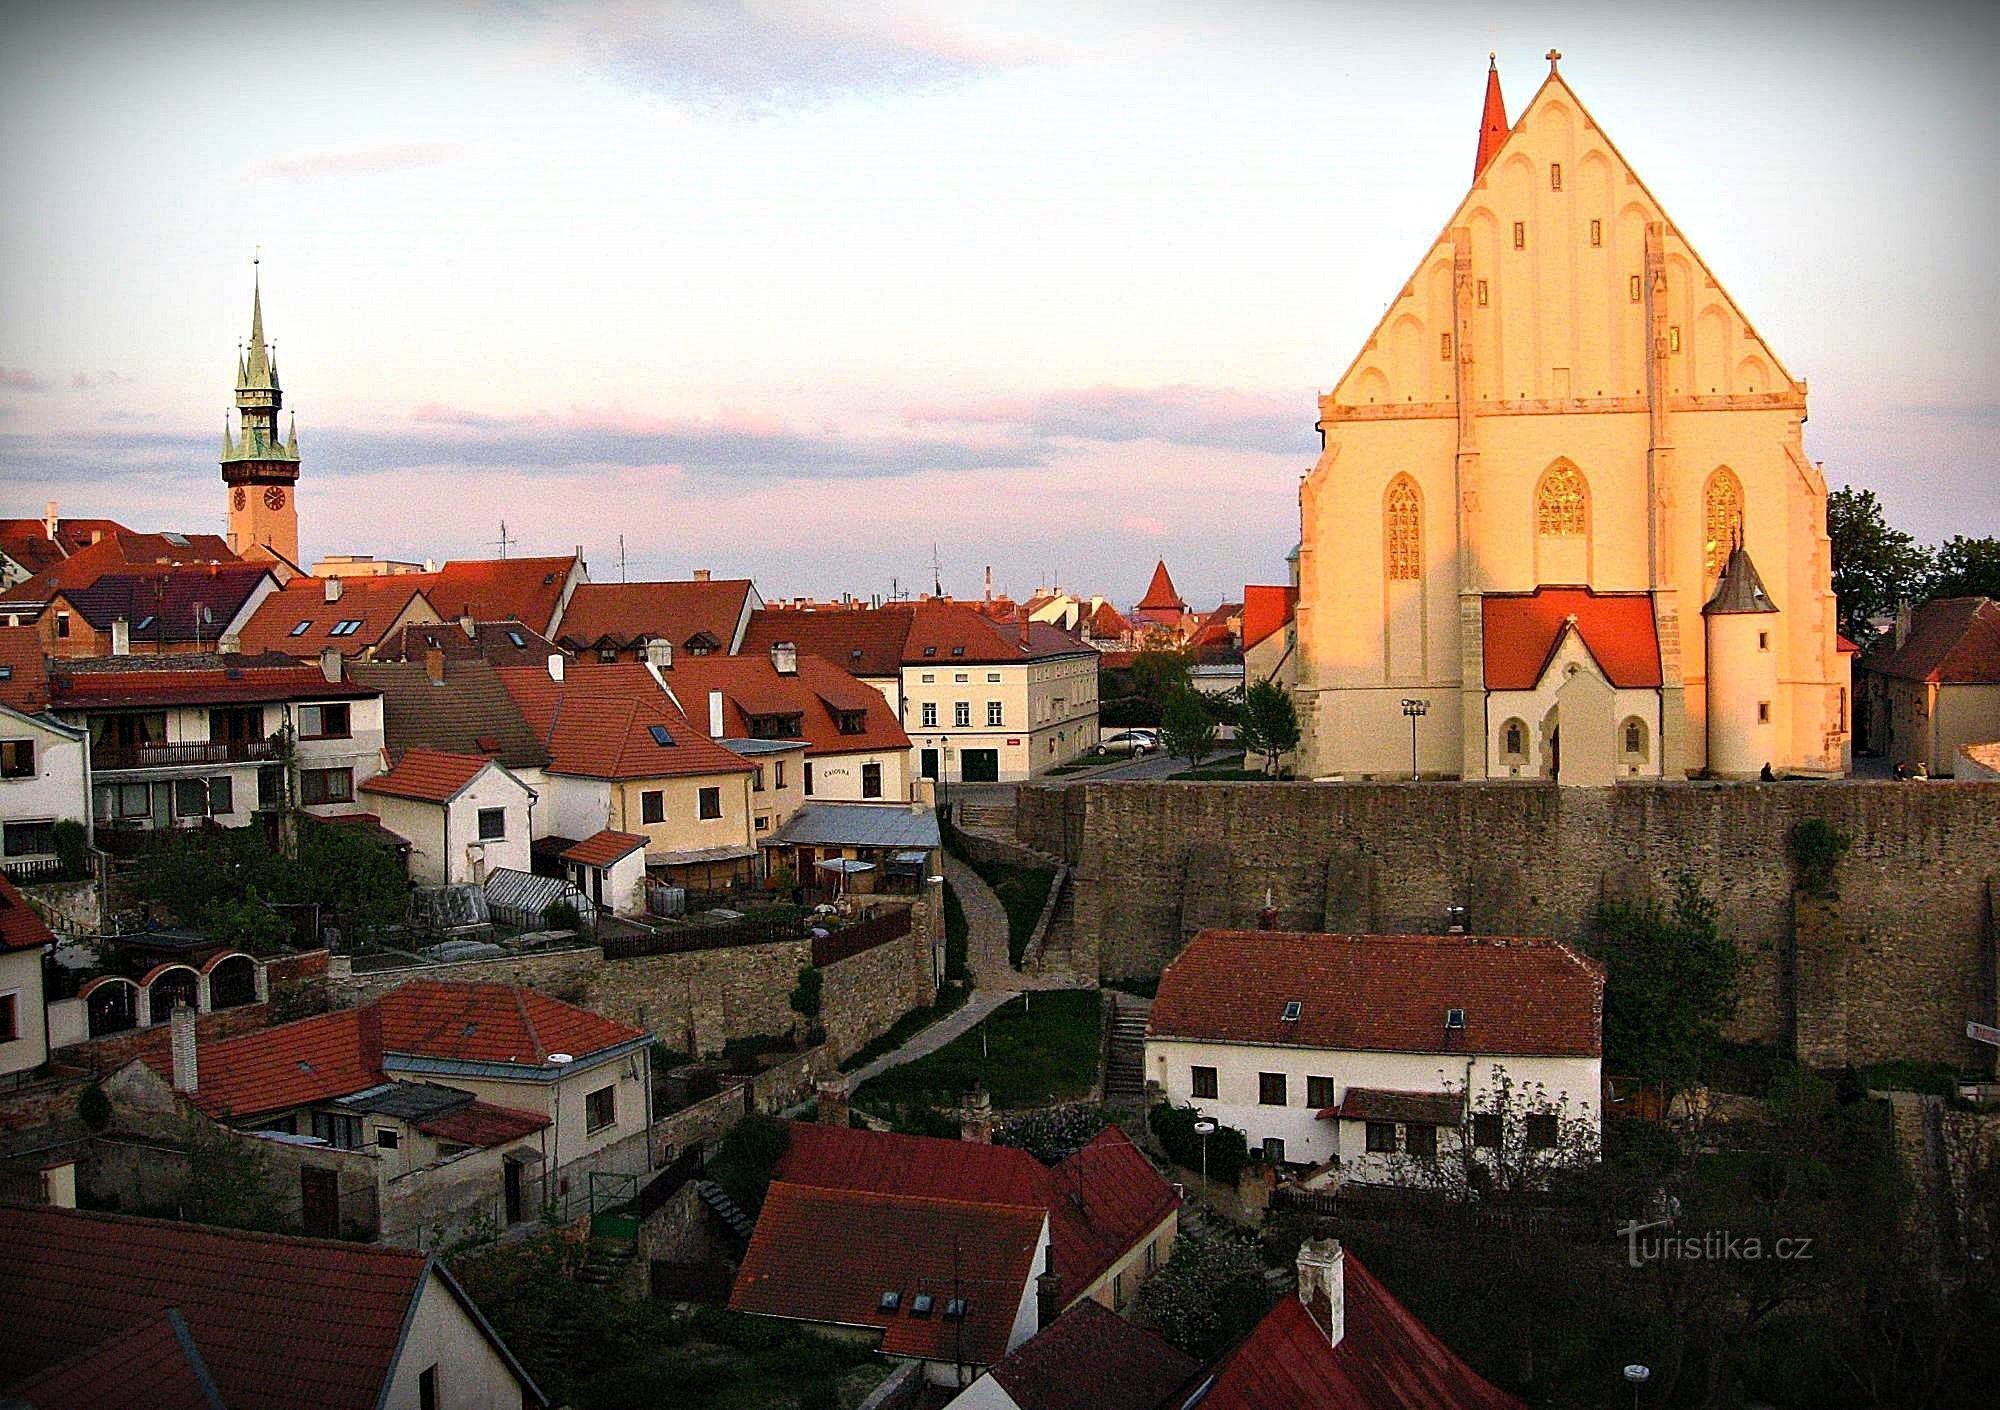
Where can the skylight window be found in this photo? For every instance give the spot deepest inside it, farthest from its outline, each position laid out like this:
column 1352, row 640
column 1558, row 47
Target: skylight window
column 660, row 736
column 958, row 651
column 302, row 628
column 1292, row 1011
column 1454, row 1018
column 517, row 638
column 143, row 623
column 6, row 673
column 346, row 626
column 920, row 1305
column 930, row 651
column 954, row 1309
column 177, row 540
column 889, row 1301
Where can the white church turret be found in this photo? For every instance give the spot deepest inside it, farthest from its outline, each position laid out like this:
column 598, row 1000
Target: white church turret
column 1741, row 623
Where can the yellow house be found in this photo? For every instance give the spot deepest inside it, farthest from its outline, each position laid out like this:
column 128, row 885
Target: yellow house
column 1563, row 396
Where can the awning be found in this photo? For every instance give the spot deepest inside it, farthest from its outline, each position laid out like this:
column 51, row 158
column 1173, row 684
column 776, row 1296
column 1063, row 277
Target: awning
column 1380, row 1104
column 699, row 856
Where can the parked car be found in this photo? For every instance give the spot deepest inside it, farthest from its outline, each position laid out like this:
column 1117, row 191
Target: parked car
column 1131, row 741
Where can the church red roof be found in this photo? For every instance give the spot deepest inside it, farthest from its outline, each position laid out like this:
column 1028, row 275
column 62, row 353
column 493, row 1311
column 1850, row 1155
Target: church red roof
column 1265, row 610
column 1492, row 121
column 1161, row 595
column 1522, row 630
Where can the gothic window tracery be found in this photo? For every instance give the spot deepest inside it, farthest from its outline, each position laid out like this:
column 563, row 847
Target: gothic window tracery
column 1722, row 522
column 1403, row 525
column 1562, row 505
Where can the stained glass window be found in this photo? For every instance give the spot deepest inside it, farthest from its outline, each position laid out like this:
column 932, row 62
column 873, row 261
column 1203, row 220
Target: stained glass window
column 1560, row 505
column 1722, row 521
column 1403, row 517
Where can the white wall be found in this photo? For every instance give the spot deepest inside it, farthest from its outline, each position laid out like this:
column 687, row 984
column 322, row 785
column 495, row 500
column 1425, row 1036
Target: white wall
column 56, row 791
column 471, row 1374
column 21, row 975
column 570, row 807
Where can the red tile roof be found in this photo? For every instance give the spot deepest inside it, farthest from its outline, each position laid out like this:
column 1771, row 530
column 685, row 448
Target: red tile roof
column 194, row 603
column 376, row 603
column 1386, row 1360
column 484, row 1125
column 818, row 694
column 1383, row 993
column 1265, row 610
column 1493, row 127
column 602, row 849
column 278, row 1321
column 1106, row 623
column 27, row 541
column 865, row 642
column 1384, row 1104
column 673, row 611
column 20, row 927
column 504, row 643
column 827, row 1255
column 1952, row 641
column 489, row 589
column 150, row 1364
column 428, row 775
column 598, row 722
column 947, row 633
column 1102, row 1202
column 335, row 1054
column 24, row 673
column 117, row 552
column 1090, row 1358
column 1161, row 595
column 1522, row 630
column 138, row 681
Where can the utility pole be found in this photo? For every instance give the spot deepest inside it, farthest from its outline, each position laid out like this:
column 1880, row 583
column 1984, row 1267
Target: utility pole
column 621, row 558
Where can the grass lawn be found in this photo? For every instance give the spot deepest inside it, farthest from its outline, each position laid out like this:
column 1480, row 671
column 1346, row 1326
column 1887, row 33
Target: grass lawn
column 1037, row 1054
column 950, row 999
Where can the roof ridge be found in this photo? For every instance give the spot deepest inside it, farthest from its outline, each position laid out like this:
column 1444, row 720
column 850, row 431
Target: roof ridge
column 219, row 1231
column 528, row 1022
column 905, row 1197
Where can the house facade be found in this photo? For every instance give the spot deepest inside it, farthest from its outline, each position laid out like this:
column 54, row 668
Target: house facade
column 44, row 764
column 24, row 1031
column 1931, row 686
column 464, row 816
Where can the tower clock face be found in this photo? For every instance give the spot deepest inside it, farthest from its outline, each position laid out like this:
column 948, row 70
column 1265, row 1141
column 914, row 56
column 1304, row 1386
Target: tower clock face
column 241, row 498
column 274, row 498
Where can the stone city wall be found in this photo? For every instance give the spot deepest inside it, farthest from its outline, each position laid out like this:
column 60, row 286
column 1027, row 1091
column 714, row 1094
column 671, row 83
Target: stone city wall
column 1893, row 968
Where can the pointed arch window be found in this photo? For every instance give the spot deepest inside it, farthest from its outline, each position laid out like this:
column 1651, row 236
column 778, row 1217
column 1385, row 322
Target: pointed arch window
column 1402, row 518
column 1722, row 521
column 1562, row 503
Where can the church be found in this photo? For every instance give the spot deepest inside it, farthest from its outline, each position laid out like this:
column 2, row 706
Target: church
column 1563, row 525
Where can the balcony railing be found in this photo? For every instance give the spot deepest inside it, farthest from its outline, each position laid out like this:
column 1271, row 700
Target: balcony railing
column 168, row 756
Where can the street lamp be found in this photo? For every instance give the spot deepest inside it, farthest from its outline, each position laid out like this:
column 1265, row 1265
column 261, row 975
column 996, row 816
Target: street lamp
column 1204, row 1127
column 1416, row 710
column 1638, row 1376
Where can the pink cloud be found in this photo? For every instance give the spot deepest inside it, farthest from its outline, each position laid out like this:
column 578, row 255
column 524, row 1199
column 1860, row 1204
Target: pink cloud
column 390, row 156
column 20, row 379
column 1189, row 415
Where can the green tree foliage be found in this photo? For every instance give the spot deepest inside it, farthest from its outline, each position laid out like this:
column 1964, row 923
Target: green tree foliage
column 1817, row 847
column 745, row 1161
column 1671, row 984
column 562, row 915
column 1055, row 1133
column 1187, row 729
column 1228, row 1148
column 1209, row 1295
column 806, row 994
column 1268, row 723
column 228, row 1180
column 1963, row 567
column 72, row 842
column 223, row 880
column 1161, row 673
column 1874, row 566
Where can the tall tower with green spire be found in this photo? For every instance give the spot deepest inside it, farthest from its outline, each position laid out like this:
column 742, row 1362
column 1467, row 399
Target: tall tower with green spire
column 261, row 470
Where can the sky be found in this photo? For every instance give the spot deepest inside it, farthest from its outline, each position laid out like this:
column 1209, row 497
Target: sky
column 801, row 291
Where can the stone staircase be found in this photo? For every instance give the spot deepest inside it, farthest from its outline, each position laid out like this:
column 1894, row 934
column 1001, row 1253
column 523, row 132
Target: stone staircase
column 725, row 1209
column 607, row 1262
column 1125, row 1058
column 995, row 819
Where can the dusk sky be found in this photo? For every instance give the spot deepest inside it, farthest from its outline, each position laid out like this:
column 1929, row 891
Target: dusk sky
column 793, row 290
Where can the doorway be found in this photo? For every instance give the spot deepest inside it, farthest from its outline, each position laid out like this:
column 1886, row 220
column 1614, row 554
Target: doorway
column 319, row 1202
column 510, row 1178
column 927, row 764
column 979, row 765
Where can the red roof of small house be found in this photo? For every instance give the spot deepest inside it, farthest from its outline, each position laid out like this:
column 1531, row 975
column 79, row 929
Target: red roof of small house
column 484, row 1125
column 1522, row 629
column 299, row 621
column 829, row 1255
column 20, row 927
column 428, row 775
column 944, row 633
column 1090, row 1358
column 467, row 712
column 603, row 849
column 864, row 642
column 1386, row 1360
column 1102, row 1202
column 27, row 541
column 276, row 1321
column 196, row 602
column 1952, row 641
column 24, row 671
column 1493, row 127
column 492, row 589
column 1266, row 608
column 335, row 1054
column 818, row 693
column 676, row 612
column 599, row 722
column 504, row 643
column 1161, row 595
column 1383, row 993
column 1106, row 623
column 1845, row 645
column 115, row 682
column 1384, row 1104
column 114, row 553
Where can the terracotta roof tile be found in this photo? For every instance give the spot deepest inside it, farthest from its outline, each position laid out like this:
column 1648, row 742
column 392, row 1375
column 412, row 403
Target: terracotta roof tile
column 599, row 722
column 146, row 680
column 675, row 612
column 818, row 693
column 1952, row 641
column 468, row 712
column 149, row 1364
column 1265, row 610
column 24, row 673
column 1090, row 1358
column 490, row 589
column 1161, row 594
column 1522, row 629
column 117, row 552
column 483, row 1125
column 298, row 620
column 602, row 849
column 1382, row 1104
column 864, row 642
column 428, row 775
column 20, row 927
column 192, row 603
column 1383, row 993
column 503, row 643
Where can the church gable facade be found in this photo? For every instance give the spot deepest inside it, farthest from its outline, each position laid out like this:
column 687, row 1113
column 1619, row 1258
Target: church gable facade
column 1562, row 396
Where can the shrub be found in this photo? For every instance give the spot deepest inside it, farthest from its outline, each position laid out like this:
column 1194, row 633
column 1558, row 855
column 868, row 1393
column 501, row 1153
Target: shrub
column 806, row 994
column 1228, row 1148
column 1817, row 847
column 748, row 1156
column 93, row 1108
column 562, row 915
column 1055, row 1134
column 72, row 841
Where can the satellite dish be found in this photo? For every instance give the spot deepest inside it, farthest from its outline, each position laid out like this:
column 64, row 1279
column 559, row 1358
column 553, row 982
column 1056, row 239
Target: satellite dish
column 560, row 1059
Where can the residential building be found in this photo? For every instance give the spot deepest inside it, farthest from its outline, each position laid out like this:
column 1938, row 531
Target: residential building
column 701, row 616
column 534, row 591
column 865, row 642
column 1932, row 684
column 900, row 842
column 112, row 549
column 154, row 611
column 364, row 565
column 44, row 764
column 455, row 704
column 1269, row 635
column 24, row 1032
column 503, row 643
column 260, row 468
column 177, row 739
column 464, row 815
column 31, row 546
column 622, row 756
column 610, row 868
column 429, row 1110
column 1563, row 396
column 1375, row 1055
column 352, row 616
column 1087, row 1359
column 165, row 1314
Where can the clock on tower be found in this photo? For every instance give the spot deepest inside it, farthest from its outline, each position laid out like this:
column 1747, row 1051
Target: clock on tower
column 259, row 468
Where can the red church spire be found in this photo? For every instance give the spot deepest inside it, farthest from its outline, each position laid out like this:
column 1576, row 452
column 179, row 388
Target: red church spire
column 1493, row 121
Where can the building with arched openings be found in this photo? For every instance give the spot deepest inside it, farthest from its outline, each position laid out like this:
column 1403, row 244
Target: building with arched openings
column 1540, row 475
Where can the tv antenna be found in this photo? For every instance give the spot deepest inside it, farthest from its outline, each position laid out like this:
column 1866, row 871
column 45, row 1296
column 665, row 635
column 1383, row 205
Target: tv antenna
column 503, row 540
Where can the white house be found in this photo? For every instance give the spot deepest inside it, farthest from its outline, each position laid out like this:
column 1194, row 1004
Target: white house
column 24, row 1032
column 463, row 815
column 1374, row 1054
column 610, row 868
column 44, row 764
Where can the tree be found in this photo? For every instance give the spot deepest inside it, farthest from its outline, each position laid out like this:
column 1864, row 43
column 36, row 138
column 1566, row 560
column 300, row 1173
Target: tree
column 1269, row 723
column 1187, row 730
column 1161, row 673
column 805, row 996
column 1875, row 567
column 1963, row 567
column 1670, row 985
column 1209, row 1295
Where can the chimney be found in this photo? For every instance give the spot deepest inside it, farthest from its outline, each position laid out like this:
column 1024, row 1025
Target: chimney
column 334, row 588
column 1048, row 1298
column 180, row 1029
column 369, row 1037
column 715, row 714
column 50, row 521
column 121, row 637
column 1267, row 919
column 785, row 658
column 556, row 666
column 660, row 654
column 1902, row 623
column 989, row 582
column 1323, row 1286
column 469, row 627
column 229, row 644
column 702, row 575
column 434, row 664
column 330, row 664
column 975, row 1120
column 833, row 1107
